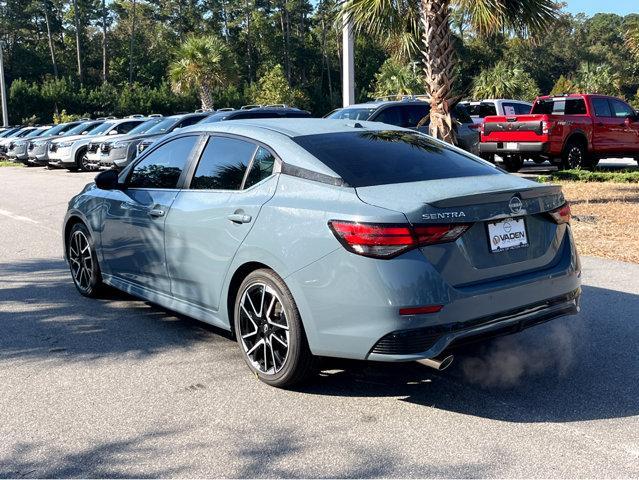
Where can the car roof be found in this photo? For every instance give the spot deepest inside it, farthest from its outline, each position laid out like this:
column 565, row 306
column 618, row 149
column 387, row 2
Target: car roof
column 278, row 133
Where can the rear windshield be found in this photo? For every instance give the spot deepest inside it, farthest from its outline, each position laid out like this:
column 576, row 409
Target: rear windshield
column 353, row 113
column 368, row 158
column 560, row 106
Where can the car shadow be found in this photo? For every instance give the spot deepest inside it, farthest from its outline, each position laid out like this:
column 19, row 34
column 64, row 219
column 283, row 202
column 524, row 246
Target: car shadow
column 576, row 368
column 42, row 316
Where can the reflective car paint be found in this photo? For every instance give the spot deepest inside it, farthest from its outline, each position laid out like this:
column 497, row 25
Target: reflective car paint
column 188, row 260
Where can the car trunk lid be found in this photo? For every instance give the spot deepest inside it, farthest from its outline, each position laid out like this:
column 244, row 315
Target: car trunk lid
column 478, row 201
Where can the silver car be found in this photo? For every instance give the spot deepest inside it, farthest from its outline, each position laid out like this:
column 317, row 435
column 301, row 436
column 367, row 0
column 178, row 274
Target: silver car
column 313, row 237
column 70, row 152
column 37, row 148
column 17, row 148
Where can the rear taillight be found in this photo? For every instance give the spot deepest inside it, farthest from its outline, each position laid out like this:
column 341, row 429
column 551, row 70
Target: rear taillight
column 562, row 214
column 481, row 128
column 546, row 127
column 383, row 240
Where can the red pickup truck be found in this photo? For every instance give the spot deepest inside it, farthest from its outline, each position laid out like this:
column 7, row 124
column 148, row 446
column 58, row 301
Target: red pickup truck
column 572, row 131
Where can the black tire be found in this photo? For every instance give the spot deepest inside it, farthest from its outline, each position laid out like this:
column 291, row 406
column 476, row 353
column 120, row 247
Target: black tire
column 489, row 157
column 575, row 155
column 83, row 264
column 513, row 163
column 297, row 362
column 80, row 159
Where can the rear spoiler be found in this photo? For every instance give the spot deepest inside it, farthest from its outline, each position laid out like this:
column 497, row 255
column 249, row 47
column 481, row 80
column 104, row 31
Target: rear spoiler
column 503, row 196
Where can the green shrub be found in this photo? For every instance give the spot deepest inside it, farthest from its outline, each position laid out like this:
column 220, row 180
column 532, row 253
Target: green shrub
column 621, row 176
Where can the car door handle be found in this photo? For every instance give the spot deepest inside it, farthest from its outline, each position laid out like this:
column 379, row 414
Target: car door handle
column 239, row 218
column 156, row 212
column 126, row 205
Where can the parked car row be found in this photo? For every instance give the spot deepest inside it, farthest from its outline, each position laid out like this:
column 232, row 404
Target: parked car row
column 113, row 143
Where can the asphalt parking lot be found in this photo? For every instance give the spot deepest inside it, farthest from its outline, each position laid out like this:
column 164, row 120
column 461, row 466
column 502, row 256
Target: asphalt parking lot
column 117, row 387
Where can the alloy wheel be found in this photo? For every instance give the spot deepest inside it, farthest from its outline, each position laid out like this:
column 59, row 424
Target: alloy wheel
column 264, row 328
column 81, row 260
column 574, row 157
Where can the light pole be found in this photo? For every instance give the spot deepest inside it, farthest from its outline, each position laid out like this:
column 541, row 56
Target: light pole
column 348, row 63
column 3, row 90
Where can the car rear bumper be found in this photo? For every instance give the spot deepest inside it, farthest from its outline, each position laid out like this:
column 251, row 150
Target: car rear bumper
column 522, row 147
column 429, row 342
column 350, row 304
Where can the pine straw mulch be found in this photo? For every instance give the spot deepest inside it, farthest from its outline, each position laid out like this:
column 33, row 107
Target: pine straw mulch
column 605, row 219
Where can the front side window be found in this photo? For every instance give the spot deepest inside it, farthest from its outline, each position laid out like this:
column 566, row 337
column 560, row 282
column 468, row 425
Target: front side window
column 223, row 164
column 522, row 109
column 369, row 158
column 163, row 166
column 620, row 109
column 261, row 168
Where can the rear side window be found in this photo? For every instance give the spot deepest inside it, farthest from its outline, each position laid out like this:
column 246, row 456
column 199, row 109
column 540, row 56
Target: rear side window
column 602, row 107
column 368, row 158
column 522, row 109
column 487, row 109
column 223, row 164
column 575, row 106
column 390, row 115
column 461, row 114
column 261, row 168
column 163, row 166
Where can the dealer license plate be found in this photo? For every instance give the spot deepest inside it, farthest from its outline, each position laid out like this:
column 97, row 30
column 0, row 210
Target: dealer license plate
column 512, row 146
column 507, row 234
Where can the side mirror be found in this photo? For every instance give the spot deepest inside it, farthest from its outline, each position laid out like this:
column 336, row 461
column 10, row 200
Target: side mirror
column 113, row 132
column 107, row 180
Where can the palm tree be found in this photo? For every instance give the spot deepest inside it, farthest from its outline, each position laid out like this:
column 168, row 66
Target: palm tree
column 632, row 40
column 203, row 63
column 424, row 26
column 505, row 81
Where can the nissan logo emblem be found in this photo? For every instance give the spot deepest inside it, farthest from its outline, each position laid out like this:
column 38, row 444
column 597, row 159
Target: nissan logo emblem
column 515, row 205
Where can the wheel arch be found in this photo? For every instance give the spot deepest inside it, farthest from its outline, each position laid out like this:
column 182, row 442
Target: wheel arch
column 234, row 285
column 72, row 220
column 577, row 136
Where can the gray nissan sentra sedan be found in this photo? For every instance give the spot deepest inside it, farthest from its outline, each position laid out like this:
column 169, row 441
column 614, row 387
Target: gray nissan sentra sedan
column 335, row 238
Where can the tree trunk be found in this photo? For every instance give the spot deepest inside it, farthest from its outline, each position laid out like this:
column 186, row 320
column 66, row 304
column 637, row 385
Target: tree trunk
column 131, row 42
column 438, row 57
column 205, row 97
column 104, row 42
column 76, row 19
column 249, row 41
column 50, row 38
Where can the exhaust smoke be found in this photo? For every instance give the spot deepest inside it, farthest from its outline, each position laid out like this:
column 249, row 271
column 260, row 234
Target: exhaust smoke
column 507, row 361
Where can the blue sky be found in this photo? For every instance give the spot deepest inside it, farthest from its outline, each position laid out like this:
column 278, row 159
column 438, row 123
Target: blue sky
column 590, row 7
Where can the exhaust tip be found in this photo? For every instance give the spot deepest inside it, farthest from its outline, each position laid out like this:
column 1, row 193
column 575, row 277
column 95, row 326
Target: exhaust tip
column 438, row 363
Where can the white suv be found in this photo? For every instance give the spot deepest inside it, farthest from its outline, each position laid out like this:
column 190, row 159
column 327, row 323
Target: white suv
column 484, row 108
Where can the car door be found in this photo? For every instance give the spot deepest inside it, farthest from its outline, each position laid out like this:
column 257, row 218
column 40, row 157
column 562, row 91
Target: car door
column 628, row 128
column 604, row 125
column 133, row 220
column 209, row 220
